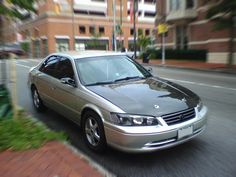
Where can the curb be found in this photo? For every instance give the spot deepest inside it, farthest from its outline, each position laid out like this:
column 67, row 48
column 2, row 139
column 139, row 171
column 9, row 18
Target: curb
column 192, row 69
column 90, row 161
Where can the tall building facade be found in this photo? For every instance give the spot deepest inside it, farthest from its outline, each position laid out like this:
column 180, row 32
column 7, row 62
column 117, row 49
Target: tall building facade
column 62, row 25
column 189, row 28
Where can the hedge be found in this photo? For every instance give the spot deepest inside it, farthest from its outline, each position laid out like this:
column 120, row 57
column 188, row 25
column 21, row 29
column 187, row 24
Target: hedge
column 191, row 54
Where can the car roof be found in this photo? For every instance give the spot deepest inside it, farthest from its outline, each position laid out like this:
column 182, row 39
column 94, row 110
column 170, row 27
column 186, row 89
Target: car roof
column 88, row 53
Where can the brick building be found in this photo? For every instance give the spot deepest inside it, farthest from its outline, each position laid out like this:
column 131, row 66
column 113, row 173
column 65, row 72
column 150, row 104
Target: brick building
column 57, row 28
column 189, row 28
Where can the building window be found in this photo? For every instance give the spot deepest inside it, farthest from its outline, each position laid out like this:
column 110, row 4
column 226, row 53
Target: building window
column 44, row 47
column 181, row 37
column 98, row 0
column 147, row 32
column 36, row 48
column 174, row 5
column 81, row 12
column 189, row 4
column 95, row 13
column 62, row 45
column 82, row 29
column 91, row 29
column 101, row 30
column 149, row 14
column 85, row 12
column 131, row 31
column 150, row 1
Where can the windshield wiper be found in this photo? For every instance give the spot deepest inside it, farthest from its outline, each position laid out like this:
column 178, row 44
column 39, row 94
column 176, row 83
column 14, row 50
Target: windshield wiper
column 100, row 83
column 128, row 78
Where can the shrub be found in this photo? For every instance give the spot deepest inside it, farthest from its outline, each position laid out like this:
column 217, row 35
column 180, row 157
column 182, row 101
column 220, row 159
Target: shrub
column 191, row 54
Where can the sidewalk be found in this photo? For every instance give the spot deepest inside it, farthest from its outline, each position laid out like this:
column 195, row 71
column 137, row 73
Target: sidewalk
column 196, row 65
column 54, row 159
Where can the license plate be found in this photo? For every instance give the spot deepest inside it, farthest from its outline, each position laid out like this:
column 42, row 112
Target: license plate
column 186, row 131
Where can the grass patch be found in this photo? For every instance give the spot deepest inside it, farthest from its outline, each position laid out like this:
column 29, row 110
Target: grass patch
column 24, row 133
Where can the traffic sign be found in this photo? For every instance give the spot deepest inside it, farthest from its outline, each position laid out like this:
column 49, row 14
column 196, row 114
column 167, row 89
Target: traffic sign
column 162, row 28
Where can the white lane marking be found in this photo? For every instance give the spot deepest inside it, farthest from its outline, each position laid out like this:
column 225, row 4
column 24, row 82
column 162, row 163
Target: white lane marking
column 28, row 67
column 201, row 84
column 24, row 61
column 35, row 60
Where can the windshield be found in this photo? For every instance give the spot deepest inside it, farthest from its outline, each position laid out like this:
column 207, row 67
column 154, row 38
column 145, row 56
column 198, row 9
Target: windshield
column 109, row 69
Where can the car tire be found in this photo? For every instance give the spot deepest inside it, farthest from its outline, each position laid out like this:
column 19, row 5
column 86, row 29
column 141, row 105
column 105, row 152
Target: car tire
column 37, row 102
column 93, row 131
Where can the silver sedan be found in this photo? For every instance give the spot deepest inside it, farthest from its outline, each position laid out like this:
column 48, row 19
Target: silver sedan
column 116, row 101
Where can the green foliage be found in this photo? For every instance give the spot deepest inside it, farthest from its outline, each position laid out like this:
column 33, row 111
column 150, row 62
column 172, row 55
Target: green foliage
column 143, row 42
column 25, row 46
column 23, row 133
column 199, row 55
column 13, row 8
column 5, row 104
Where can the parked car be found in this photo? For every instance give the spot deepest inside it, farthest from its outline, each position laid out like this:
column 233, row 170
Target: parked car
column 116, row 101
column 8, row 49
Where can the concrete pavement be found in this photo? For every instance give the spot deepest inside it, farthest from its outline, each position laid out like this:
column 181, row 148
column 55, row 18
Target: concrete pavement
column 193, row 65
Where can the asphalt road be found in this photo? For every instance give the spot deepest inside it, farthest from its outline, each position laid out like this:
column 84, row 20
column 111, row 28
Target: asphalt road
column 212, row 154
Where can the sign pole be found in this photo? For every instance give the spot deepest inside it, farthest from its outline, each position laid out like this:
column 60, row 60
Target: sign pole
column 163, row 48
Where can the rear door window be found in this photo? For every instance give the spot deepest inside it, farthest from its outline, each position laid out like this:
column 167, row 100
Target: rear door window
column 49, row 66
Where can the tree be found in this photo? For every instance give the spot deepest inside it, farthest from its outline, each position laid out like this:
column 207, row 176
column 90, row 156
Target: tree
column 14, row 8
column 94, row 43
column 143, row 42
column 223, row 14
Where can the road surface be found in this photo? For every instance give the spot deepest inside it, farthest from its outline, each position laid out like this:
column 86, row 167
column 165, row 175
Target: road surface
column 212, row 154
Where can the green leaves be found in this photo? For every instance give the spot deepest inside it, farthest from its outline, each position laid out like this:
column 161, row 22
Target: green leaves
column 14, row 8
column 23, row 133
column 143, row 41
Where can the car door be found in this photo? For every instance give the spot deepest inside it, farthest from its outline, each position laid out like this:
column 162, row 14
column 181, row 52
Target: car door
column 46, row 79
column 65, row 94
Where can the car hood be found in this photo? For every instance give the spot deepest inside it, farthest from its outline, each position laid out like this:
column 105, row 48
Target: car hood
column 151, row 96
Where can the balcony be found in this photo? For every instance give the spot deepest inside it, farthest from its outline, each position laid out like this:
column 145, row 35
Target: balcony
column 181, row 15
column 181, row 10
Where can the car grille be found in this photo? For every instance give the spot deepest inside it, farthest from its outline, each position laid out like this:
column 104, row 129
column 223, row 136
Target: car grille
column 178, row 117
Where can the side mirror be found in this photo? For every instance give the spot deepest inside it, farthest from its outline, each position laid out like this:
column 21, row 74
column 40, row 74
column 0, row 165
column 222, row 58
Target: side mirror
column 68, row 81
column 149, row 69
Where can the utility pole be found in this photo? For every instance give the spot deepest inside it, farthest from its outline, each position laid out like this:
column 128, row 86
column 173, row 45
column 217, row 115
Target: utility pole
column 121, row 24
column 134, row 15
column 73, row 25
column 114, row 25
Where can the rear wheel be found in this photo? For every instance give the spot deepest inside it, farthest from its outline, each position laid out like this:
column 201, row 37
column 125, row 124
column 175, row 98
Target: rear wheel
column 37, row 102
column 93, row 131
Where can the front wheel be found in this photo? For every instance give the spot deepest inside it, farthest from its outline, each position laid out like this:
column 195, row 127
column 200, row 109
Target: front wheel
column 38, row 104
column 93, row 131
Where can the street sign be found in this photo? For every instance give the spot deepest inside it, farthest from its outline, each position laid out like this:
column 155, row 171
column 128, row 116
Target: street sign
column 162, row 28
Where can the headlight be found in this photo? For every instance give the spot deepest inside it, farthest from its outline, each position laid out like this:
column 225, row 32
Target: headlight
column 133, row 120
column 199, row 106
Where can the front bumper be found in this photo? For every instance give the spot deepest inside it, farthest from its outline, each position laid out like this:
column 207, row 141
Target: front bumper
column 145, row 139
